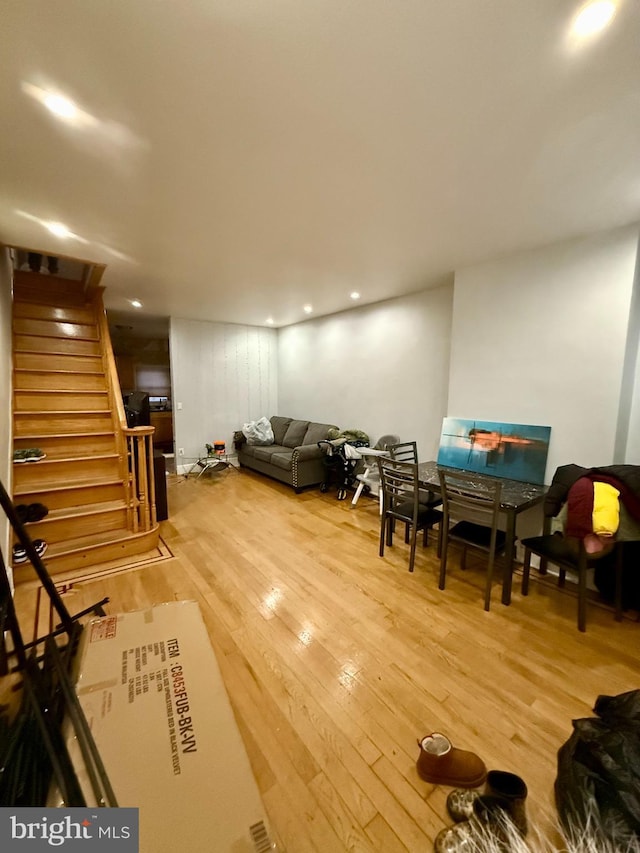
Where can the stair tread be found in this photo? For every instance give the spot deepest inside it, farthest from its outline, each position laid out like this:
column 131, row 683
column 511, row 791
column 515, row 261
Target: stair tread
column 85, row 509
column 39, row 412
column 91, row 541
column 58, row 370
column 66, row 513
column 40, row 437
column 49, row 461
column 61, row 390
column 64, row 435
column 61, row 352
column 78, row 484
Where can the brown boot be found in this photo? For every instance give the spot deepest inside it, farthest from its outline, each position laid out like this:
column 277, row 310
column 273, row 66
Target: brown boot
column 443, row 764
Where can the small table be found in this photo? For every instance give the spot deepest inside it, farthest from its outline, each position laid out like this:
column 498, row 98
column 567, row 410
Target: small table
column 515, row 497
column 215, row 463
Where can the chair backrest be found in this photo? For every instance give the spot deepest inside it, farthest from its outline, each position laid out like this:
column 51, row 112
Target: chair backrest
column 404, row 451
column 385, row 441
column 399, row 483
column 470, row 497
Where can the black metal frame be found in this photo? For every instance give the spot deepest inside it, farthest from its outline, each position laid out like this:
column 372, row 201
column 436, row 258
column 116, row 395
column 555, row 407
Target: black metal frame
column 33, row 751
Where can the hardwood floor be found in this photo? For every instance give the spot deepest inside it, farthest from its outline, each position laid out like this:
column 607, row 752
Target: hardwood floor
column 336, row 660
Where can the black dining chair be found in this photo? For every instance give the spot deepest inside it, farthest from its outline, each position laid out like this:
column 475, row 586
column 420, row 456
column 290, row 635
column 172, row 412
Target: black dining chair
column 407, row 451
column 404, row 451
column 472, row 503
column 401, row 502
column 568, row 553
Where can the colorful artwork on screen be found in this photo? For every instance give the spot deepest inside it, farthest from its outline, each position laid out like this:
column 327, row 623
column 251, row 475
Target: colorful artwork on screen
column 515, row 451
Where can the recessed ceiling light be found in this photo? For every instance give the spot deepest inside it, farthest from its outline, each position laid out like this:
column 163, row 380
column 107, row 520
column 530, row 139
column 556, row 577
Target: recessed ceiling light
column 593, row 17
column 136, row 303
column 58, row 229
column 308, row 309
column 355, row 295
column 269, row 320
column 60, row 106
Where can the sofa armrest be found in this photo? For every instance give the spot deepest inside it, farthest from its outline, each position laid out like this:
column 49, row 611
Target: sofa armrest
column 307, row 451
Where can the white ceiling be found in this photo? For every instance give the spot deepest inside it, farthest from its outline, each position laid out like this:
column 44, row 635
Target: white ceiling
column 240, row 158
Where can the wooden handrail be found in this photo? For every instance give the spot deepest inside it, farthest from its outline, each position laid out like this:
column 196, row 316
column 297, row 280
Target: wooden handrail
column 134, row 444
column 113, row 382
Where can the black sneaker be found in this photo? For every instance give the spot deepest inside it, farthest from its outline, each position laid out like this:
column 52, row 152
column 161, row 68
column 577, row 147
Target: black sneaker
column 40, row 545
column 19, row 554
column 30, row 513
column 22, row 511
column 36, row 512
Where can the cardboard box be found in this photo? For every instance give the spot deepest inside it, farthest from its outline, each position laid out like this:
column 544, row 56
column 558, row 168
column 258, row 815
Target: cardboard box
column 151, row 689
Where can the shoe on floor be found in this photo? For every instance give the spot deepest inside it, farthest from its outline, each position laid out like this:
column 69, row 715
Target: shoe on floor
column 442, row 763
column 34, row 454
column 19, row 555
column 511, row 789
column 40, row 545
column 489, row 828
column 460, row 803
column 22, row 511
column 36, row 512
column 30, row 513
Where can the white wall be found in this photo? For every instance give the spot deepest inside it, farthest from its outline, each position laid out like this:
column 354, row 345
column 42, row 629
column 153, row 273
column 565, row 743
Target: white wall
column 381, row 368
column 540, row 338
column 223, row 375
column 6, row 437
column 629, row 418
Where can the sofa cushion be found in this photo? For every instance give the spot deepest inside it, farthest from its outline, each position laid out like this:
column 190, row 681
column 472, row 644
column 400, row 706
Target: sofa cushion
column 264, row 453
column 295, row 433
column 279, row 426
column 315, row 433
column 249, row 449
column 282, row 459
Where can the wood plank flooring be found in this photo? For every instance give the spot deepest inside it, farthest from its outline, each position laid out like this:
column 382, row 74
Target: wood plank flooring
column 336, row 661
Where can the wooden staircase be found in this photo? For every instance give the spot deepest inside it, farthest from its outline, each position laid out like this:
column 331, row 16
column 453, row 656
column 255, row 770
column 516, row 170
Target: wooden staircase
column 96, row 478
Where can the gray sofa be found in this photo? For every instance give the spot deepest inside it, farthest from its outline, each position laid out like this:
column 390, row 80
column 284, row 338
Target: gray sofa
column 294, row 457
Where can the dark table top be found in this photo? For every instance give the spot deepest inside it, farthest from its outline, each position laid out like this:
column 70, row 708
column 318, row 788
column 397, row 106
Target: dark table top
column 514, row 495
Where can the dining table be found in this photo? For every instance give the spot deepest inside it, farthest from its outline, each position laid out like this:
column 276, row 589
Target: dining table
column 515, row 497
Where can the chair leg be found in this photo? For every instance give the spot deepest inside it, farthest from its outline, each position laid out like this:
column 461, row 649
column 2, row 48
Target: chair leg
column 582, row 591
column 525, row 572
column 358, row 493
column 383, row 531
column 443, row 560
column 618, row 590
column 489, row 584
column 412, row 556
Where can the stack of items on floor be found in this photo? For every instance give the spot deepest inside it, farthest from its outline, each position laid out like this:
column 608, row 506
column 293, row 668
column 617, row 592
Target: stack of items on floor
column 597, row 789
column 495, row 814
